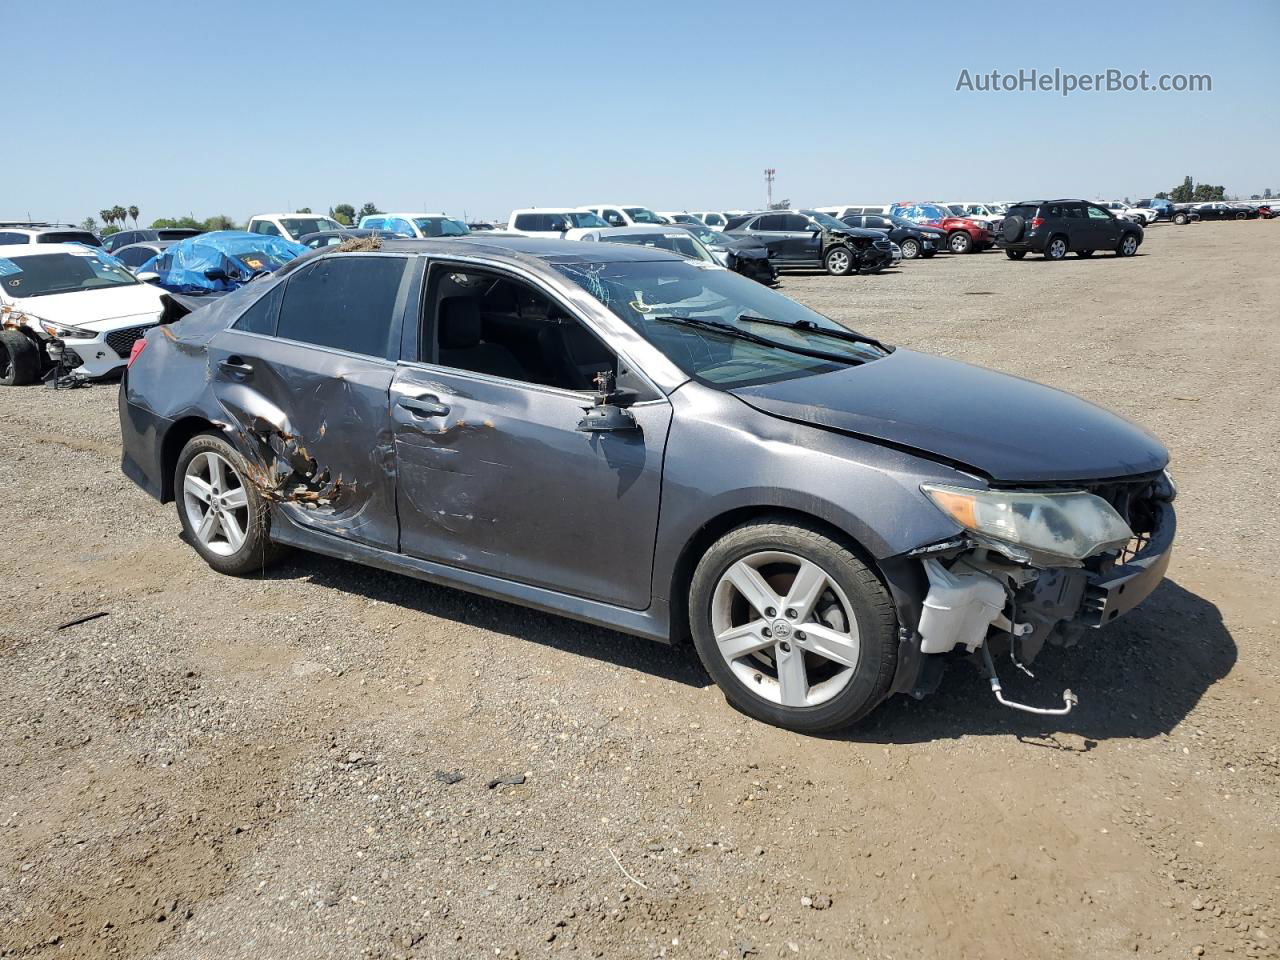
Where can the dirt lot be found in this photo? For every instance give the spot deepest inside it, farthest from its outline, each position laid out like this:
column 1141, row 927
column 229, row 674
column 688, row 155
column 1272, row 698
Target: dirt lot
column 261, row 768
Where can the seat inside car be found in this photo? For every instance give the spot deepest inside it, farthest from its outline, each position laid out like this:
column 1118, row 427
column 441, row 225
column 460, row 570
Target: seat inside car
column 462, row 344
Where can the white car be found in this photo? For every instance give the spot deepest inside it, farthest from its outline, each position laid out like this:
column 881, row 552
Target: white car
column 679, row 241
column 417, row 225
column 70, row 303
column 624, row 214
column 31, row 231
column 552, row 221
column 982, row 212
column 714, row 219
column 684, row 216
column 1142, row 215
column 291, row 226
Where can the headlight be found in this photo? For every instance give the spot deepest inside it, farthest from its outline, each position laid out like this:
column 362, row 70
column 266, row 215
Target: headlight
column 61, row 330
column 1072, row 525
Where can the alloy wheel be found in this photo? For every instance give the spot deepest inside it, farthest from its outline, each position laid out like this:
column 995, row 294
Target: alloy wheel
column 216, row 503
column 785, row 628
column 838, row 261
column 1129, row 246
column 1058, row 249
column 910, row 249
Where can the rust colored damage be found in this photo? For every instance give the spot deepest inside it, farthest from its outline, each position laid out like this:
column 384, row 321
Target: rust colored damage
column 284, row 471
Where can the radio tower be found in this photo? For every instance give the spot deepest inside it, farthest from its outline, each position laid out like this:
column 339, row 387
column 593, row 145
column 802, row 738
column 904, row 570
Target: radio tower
column 768, row 185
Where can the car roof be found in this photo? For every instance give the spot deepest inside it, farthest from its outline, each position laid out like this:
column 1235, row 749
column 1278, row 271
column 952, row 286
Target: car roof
column 552, row 210
column 532, row 248
column 153, row 244
column 405, row 214
column 648, row 229
column 264, row 216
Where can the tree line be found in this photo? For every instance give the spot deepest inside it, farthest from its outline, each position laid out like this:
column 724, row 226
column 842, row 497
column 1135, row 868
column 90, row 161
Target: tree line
column 114, row 219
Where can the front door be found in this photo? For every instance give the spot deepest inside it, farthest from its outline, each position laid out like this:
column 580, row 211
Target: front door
column 494, row 475
column 1104, row 230
column 303, row 378
column 803, row 243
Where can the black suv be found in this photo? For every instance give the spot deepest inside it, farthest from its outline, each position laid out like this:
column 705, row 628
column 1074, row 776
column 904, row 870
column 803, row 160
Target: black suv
column 807, row 240
column 1058, row 227
column 915, row 239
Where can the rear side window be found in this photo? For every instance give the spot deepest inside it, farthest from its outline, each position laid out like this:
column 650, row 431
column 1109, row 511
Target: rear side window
column 343, row 302
column 6, row 238
column 1027, row 211
column 70, row 236
column 772, row 222
column 733, row 223
column 530, row 221
column 261, row 317
column 265, row 227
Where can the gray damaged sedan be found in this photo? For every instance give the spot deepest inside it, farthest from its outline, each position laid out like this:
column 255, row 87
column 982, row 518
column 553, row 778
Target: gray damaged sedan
column 661, row 446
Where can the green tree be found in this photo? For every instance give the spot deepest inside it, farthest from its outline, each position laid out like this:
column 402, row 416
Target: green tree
column 1184, row 192
column 344, row 213
column 1162, row 195
column 90, row 224
column 133, row 215
column 107, row 216
column 303, row 210
column 220, row 221
column 369, row 210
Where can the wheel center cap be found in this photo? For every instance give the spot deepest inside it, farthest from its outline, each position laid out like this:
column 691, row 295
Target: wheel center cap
column 782, row 630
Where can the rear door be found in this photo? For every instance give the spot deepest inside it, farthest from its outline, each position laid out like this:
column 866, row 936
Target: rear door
column 494, row 475
column 304, row 376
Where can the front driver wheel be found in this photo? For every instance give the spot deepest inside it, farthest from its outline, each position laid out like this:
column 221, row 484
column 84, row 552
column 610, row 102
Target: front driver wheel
column 793, row 627
column 223, row 515
column 838, row 262
column 1128, row 246
column 960, row 242
column 910, row 249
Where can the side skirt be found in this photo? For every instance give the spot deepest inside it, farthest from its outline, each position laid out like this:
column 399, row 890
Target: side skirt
column 652, row 624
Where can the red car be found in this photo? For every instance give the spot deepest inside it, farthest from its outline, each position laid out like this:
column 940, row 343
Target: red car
column 963, row 235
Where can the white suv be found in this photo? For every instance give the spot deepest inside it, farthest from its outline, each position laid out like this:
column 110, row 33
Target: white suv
column 31, row 231
column 291, row 226
column 624, row 214
column 553, row 221
column 70, row 303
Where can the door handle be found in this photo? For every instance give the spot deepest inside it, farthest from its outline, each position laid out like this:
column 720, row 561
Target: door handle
column 235, row 366
column 426, row 405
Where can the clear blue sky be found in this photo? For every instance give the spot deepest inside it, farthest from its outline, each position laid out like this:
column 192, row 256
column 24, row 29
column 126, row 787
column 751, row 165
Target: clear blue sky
column 239, row 108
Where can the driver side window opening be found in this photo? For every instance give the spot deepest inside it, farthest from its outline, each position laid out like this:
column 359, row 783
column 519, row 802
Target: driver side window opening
column 489, row 323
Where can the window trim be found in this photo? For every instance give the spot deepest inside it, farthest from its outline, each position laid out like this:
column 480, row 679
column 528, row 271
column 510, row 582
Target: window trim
column 393, row 343
column 422, row 279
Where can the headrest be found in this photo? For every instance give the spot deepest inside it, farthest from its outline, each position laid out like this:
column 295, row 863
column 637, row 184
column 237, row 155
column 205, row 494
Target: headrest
column 459, row 323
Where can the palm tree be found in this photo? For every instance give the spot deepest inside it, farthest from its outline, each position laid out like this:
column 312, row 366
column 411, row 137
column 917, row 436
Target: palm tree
column 120, row 213
column 108, row 216
column 133, row 212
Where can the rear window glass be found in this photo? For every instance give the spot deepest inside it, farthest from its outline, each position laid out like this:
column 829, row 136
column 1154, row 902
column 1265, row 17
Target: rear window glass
column 345, row 303
column 70, row 236
column 1024, row 210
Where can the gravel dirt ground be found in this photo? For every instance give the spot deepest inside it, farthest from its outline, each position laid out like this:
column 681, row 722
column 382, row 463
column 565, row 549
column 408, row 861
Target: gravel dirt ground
column 302, row 764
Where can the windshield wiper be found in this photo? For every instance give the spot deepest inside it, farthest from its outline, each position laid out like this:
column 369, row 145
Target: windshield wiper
column 725, row 329
column 808, row 326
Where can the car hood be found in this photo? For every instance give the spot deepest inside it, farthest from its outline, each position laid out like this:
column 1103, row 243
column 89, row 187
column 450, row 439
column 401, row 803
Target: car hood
column 858, row 232
column 1011, row 430
column 95, row 309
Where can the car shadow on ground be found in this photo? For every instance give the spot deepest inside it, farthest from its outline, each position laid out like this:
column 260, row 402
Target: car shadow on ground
column 679, row 664
column 1139, row 677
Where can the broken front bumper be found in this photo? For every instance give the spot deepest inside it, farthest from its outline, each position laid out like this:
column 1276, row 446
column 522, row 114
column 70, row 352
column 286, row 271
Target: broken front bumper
column 1110, row 595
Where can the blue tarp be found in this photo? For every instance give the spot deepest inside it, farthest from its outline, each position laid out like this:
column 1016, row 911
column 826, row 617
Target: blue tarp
column 182, row 267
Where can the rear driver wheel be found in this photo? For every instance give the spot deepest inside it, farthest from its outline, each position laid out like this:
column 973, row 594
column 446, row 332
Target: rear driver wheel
column 792, row 626
column 222, row 513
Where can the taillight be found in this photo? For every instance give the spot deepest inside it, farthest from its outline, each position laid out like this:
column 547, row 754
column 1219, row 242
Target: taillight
column 1037, row 223
column 138, row 346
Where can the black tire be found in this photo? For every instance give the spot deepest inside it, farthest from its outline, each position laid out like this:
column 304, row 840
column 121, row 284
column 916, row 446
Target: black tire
column 1242, row 215
column 257, row 550
column 910, row 248
column 870, row 606
column 1180, row 219
column 1011, row 229
column 1128, row 245
column 19, row 359
column 927, row 254
column 1015, row 254
column 960, row 242
column 839, row 261
column 1056, row 248
column 1084, row 254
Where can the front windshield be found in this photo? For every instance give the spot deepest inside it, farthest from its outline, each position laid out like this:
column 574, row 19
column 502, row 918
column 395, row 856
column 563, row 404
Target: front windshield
column 299, row 226
column 585, row 218
column 900, row 222
column 643, row 292
column 641, row 215
column 42, row 274
column 708, row 236
column 828, row 221
column 440, row 227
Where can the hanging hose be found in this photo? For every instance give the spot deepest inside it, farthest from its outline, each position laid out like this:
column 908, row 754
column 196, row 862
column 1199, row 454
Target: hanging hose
column 1069, row 699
